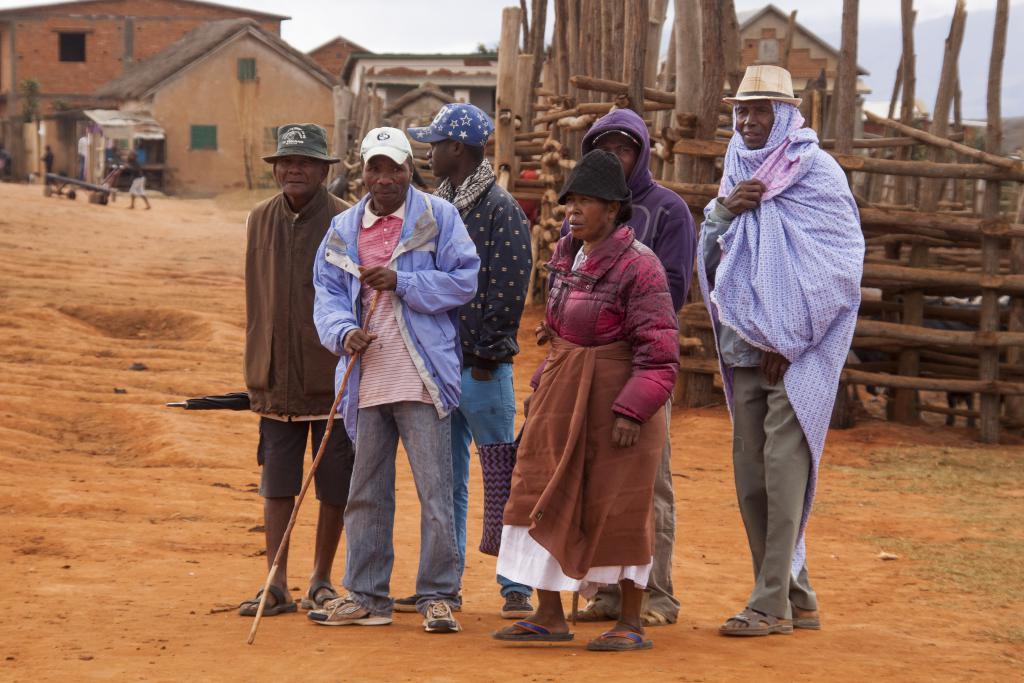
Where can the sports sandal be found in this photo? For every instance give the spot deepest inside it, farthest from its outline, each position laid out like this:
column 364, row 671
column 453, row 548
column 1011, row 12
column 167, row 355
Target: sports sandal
column 619, row 641
column 750, row 622
column 346, row 612
column 319, row 594
column 529, row 632
column 248, row 608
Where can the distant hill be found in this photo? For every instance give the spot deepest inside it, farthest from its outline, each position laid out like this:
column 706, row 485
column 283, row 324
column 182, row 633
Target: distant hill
column 879, row 53
column 1013, row 135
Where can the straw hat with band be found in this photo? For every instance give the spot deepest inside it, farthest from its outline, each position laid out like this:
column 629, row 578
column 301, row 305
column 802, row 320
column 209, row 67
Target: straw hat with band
column 765, row 82
column 301, row 139
column 599, row 174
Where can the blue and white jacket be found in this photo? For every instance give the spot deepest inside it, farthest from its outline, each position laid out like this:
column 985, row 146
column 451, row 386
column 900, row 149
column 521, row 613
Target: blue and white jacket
column 437, row 266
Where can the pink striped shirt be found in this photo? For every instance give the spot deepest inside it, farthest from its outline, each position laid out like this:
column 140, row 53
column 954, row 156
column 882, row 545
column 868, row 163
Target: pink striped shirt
column 388, row 374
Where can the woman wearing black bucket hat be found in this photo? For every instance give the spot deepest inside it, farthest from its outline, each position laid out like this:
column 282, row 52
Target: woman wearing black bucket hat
column 580, row 510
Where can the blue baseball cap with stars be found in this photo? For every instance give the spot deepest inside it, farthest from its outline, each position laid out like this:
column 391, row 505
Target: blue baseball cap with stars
column 460, row 122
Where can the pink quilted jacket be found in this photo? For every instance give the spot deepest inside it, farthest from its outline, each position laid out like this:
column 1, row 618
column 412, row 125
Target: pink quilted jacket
column 620, row 292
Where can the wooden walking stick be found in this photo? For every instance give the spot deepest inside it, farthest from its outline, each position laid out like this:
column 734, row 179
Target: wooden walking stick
column 309, row 477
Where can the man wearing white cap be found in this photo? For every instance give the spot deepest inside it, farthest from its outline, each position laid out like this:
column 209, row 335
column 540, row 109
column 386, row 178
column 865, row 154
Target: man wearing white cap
column 414, row 250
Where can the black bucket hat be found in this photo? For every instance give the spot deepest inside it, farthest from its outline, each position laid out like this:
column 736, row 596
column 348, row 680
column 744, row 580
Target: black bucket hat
column 301, row 139
column 598, row 174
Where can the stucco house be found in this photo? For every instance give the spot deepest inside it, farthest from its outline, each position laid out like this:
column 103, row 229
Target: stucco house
column 219, row 94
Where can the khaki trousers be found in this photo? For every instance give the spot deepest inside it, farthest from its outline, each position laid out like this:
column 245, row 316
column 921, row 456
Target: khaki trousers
column 771, row 463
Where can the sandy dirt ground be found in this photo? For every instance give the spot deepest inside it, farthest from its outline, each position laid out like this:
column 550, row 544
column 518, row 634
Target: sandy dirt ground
column 130, row 529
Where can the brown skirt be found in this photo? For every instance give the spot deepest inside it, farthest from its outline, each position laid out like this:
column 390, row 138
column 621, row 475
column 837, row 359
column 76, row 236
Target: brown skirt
column 587, row 501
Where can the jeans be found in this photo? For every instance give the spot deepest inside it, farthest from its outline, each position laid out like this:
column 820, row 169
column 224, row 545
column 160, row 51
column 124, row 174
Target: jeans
column 486, row 414
column 370, row 513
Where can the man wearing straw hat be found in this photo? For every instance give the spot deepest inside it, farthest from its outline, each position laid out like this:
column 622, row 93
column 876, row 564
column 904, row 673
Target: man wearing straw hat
column 780, row 261
column 287, row 372
column 409, row 252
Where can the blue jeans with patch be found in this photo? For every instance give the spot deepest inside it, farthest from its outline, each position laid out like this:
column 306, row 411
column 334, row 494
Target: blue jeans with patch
column 486, row 414
column 370, row 513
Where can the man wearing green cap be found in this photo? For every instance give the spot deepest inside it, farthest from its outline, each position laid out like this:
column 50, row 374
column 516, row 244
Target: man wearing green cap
column 289, row 374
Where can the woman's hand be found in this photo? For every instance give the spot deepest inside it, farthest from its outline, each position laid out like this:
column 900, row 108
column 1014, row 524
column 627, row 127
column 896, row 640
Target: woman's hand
column 625, row 432
column 543, row 332
column 774, row 366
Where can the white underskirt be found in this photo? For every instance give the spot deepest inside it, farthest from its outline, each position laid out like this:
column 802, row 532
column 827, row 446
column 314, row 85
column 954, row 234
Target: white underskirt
column 525, row 561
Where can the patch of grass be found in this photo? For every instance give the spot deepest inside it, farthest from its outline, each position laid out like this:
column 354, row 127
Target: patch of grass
column 976, row 492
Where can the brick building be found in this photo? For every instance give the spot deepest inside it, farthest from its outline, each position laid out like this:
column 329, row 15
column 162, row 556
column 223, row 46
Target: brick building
column 333, row 54
column 762, row 38
column 72, row 48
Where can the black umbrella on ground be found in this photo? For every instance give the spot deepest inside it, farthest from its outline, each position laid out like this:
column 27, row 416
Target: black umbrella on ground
column 236, row 400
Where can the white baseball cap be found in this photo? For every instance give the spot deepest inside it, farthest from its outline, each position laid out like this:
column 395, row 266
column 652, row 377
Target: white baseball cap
column 390, row 142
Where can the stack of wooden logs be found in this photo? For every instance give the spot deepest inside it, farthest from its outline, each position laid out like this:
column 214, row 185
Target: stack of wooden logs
column 941, row 219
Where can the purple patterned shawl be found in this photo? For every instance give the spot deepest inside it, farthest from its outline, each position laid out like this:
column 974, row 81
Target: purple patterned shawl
column 789, row 278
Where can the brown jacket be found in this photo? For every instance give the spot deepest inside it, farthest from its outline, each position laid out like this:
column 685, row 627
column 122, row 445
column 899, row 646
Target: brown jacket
column 586, row 501
column 287, row 370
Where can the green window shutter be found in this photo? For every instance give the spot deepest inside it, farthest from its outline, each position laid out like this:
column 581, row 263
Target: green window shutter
column 204, row 137
column 247, row 69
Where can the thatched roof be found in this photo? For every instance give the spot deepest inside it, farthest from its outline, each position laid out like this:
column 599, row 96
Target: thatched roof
column 148, row 75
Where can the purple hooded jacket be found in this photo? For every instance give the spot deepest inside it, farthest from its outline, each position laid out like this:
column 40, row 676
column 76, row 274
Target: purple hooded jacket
column 661, row 219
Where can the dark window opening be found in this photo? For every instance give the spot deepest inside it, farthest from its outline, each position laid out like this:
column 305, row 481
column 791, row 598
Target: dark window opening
column 204, row 137
column 247, row 69
column 71, row 47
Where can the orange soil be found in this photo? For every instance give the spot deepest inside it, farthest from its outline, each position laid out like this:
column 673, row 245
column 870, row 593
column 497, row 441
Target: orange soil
column 128, row 527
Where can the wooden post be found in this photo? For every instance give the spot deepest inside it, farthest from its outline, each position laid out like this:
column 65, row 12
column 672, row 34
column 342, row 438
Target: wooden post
column 712, row 80
column 988, row 370
column 688, row 71
column 637, row 13
column 540, row 18
column 908, row 70
column 904, row 404
column 342, row 115
column 731, row 44
column 504, row 123
column 846, row 80
column 787, row 44
column 698, row 389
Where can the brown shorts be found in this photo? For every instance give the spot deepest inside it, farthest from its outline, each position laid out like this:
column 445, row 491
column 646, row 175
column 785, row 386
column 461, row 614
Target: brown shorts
column 282, row 448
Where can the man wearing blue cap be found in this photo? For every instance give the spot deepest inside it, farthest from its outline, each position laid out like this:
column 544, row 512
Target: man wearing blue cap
column 489, row 323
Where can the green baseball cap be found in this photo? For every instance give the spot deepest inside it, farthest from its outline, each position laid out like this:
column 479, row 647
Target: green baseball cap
column 301, row 139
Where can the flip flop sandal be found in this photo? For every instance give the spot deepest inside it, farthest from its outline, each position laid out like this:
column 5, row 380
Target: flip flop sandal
column 248, row 608
column 755, row 623
column 613, row 641
column 319, row 593
column 531, row 633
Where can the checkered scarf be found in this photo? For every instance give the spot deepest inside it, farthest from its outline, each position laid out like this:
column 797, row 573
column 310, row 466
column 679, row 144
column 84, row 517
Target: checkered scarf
column 465, row 197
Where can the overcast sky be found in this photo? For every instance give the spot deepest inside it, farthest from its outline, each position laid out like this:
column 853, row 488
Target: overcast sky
column 460, row 25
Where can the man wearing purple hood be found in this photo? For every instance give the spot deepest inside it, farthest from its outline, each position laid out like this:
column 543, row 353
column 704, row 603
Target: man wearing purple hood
column 662, row 222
